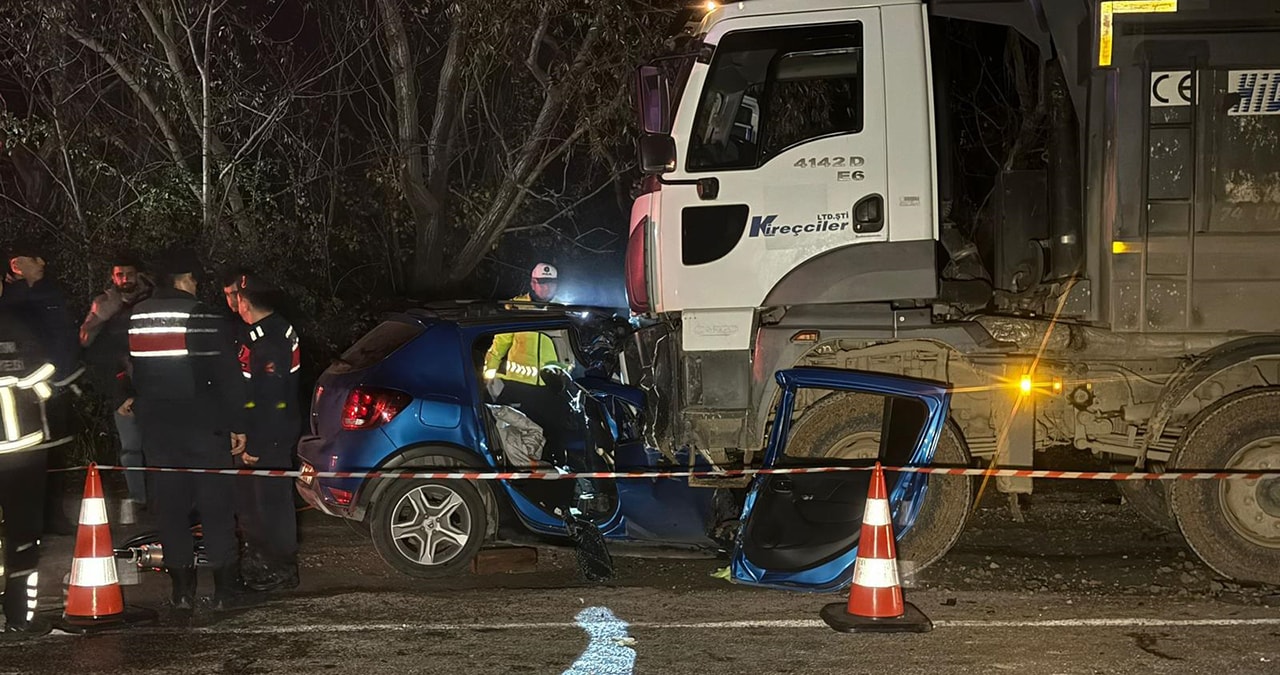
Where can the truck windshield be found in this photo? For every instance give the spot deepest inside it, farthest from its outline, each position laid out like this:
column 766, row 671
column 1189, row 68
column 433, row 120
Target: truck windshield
column 770, row 89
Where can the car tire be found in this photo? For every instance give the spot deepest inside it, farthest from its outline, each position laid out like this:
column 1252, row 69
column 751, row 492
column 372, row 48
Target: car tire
column 446, row 516
column 1232, row 525
column 847, row 426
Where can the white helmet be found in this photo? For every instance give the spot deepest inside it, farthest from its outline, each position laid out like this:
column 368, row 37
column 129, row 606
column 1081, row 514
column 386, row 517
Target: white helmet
column 545, row 271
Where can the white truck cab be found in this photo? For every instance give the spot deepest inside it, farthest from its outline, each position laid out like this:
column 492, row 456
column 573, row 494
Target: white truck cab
column 805, row 172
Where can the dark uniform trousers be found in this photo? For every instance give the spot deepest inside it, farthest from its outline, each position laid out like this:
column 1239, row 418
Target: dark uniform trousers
column 189, row 399
column 22, row 488
column 269, row 362
column 271, row 522
column 173, row 437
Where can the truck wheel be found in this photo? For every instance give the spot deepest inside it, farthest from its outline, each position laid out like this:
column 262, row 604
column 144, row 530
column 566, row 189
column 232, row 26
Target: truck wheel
column 1233, row 525
column 429, row 528
column 1150, row 499
column 847, row 426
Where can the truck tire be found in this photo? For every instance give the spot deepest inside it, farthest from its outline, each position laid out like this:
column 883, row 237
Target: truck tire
column 429, row 528
column 1232, row 525
column 847, row 426
column 1150, row 499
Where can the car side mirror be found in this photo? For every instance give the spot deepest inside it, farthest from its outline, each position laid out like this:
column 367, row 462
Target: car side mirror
column 657, row 153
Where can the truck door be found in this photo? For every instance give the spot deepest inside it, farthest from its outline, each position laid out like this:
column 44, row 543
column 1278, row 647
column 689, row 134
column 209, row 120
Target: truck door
column 800, row 531
column 782, row 179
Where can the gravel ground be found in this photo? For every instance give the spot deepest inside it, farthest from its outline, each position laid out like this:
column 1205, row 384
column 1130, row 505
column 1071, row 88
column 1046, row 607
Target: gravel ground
column 1082, row 585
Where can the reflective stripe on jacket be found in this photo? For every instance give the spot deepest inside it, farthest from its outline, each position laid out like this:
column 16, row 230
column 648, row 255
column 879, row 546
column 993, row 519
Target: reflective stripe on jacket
column 25, row 378
column 525, row 354
column 180, row 351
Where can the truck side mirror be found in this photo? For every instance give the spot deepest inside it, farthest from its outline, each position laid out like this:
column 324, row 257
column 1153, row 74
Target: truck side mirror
column 657, row 154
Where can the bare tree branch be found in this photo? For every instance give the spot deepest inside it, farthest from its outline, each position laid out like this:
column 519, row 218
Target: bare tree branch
column 539, row 35
column 162, row 121
column 528, row 167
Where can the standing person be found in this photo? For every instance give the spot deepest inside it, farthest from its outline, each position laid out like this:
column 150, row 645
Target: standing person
column 190, row 403
column 34, row 295
column 24, row 383
column 252, row 562
column 104, row 335
column 270, row 360
column 525, row 353
column 517, row 360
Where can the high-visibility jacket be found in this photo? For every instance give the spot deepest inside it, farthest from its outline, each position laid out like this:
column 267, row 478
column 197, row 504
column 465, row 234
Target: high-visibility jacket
column 25, row 382
column 525, row 354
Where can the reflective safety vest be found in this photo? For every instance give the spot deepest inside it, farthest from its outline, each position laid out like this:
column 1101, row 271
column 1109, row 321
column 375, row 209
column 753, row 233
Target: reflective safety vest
column 270, row 361
column 525, row 355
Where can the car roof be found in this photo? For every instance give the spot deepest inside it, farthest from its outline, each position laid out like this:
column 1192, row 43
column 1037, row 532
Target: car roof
column 481, row 312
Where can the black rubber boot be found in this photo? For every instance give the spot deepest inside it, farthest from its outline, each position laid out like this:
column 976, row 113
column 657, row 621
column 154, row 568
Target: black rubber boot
column 184, row 588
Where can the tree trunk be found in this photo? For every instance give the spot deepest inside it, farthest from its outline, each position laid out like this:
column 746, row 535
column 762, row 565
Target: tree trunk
column 428, row 252
column 423, row 204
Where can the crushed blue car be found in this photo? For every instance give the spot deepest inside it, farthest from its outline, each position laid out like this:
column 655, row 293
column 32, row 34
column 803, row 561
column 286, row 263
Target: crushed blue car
column 412, row 394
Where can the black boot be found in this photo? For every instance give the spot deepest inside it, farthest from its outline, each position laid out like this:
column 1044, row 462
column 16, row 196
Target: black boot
column 255, row 570
column 228, row 592
column 184, row 588
column 283, row 576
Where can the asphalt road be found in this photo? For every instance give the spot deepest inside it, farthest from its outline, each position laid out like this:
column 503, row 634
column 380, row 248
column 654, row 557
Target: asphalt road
column 1083, row 586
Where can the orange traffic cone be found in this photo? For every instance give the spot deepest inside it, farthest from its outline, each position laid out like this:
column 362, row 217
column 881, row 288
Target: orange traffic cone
column 875, row 598
column 94, row 599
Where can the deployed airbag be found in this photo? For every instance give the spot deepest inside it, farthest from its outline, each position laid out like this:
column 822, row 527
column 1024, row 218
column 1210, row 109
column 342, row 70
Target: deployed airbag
column 522, row 439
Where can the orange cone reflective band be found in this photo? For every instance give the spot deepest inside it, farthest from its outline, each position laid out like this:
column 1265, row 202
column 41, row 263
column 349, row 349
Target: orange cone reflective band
column 94, row 593
column 876, row 591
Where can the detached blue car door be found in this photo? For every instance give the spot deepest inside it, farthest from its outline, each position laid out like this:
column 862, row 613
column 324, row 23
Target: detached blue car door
column 800, row 531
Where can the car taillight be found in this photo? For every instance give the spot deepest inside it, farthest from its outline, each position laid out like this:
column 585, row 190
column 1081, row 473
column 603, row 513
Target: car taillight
column 369, row 408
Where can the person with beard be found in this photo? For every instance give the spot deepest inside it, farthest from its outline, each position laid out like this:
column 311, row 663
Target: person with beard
column 104, row 335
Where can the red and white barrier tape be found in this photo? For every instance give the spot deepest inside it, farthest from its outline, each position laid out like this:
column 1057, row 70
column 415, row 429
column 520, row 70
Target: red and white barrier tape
column 728, row 473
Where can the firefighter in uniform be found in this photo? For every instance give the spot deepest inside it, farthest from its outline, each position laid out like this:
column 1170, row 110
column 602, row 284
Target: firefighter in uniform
column 40, row 301
column 25, row 384
column 269, row 361
column 189, row 399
